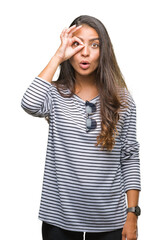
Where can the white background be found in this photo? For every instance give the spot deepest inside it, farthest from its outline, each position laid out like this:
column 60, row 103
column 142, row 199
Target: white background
column 29, row 37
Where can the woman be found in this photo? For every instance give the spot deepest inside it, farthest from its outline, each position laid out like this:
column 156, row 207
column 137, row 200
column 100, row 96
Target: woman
column 92, row 154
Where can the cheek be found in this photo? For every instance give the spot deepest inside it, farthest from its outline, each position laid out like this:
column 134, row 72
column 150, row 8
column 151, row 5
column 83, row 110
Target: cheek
column 97, row 58
column 73, row 60
column 96, row 55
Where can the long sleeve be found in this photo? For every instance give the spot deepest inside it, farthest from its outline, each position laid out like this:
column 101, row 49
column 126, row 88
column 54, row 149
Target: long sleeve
column 130, row 163
column 37, row 100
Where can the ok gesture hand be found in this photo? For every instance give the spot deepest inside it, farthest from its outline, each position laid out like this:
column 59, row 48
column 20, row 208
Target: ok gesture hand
column 67, row 48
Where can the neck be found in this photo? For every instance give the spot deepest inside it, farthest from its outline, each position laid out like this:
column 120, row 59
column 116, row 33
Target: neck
column 84, row 82
column 86, row 87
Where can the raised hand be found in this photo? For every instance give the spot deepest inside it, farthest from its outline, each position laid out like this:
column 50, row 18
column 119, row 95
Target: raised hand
column 68, row 48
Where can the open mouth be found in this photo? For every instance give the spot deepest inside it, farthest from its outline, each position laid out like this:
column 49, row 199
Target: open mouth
column 84, row 64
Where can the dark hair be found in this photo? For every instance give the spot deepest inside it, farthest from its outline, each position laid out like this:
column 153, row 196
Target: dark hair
column 109, row 81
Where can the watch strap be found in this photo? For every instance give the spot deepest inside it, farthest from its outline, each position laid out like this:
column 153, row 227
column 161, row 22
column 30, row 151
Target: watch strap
column 136, row 210
column 131, row 209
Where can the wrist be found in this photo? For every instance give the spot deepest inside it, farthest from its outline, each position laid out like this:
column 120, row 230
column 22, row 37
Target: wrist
column 135, row 210
column 132, row 216
column 59, row 56
column 49, row 71
column 57, row 59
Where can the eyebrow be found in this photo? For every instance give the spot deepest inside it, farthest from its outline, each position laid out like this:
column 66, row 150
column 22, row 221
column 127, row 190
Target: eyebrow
column 90, row 40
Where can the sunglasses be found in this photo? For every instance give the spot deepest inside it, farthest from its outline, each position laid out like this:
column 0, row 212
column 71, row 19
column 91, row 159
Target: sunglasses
column 90, row 110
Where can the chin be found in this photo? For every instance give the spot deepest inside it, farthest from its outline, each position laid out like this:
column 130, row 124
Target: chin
column 86, row 72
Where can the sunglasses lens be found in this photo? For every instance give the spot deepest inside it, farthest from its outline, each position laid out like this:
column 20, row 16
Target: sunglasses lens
column 88, row 109
column 94, row 124
column 91, row 123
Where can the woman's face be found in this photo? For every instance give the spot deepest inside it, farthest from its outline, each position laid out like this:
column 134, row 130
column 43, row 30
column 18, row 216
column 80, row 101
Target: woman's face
column 86, row 61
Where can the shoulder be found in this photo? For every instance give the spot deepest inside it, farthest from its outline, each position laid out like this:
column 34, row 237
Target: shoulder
column 61, row 89
column 128, row 105
column 126, row 98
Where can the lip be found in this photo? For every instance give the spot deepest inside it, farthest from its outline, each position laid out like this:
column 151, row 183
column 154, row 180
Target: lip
column 84, row 64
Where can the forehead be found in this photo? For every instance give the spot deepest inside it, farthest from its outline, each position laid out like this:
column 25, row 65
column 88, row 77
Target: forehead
column 86, row 32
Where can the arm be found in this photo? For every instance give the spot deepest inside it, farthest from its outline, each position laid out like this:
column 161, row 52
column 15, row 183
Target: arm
column 130, row 227
column 130, row 162
column 132, row 198
column 130, row 166
column 49, row 71
column 37, row 100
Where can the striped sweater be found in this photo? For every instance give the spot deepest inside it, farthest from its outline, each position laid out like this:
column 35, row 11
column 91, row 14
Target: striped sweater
column 83, row 186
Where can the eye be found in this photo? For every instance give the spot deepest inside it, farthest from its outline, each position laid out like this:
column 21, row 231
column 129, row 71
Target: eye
column 75, row 44
column 95, row 45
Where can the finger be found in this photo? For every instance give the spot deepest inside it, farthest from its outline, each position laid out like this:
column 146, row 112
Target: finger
column 77, row 49
column 123, row 236
column 67, row 32
column 63, row 32
column 71, row 28
column 75, row 29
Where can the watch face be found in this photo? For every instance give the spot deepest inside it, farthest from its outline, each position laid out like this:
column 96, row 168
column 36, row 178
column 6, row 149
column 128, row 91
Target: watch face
column 138, row 211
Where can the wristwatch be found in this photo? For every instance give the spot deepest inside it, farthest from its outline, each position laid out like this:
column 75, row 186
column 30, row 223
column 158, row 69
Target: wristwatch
column 135, row 210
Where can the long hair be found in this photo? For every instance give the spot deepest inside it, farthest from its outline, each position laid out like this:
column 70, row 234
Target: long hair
column 109, row 81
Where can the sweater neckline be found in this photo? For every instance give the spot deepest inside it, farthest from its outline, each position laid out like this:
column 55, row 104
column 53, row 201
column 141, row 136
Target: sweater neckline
column 84, row 101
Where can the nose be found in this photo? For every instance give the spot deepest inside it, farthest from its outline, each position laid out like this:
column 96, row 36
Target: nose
column 85, row 51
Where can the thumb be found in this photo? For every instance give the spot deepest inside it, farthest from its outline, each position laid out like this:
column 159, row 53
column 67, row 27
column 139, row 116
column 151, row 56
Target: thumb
column 78, row 48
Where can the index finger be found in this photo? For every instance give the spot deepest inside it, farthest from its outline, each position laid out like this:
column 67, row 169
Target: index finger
column 74, row 29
